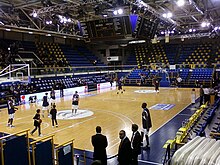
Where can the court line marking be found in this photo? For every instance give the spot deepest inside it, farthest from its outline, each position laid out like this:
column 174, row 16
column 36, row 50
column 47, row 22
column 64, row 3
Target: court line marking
column 171, row 118
column 115, row 114
column 71, row 126
column 144, row 161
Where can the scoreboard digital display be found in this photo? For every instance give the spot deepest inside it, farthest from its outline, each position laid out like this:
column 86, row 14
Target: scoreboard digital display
column 145, row 28
column 119, row 27
column 105, row 28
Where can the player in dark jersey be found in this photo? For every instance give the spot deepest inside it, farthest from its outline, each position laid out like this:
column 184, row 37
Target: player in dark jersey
column 75, row 102
column 11, row 112
column 45, row 104
column 37, row 123
column 52, row 96
column 119, row 87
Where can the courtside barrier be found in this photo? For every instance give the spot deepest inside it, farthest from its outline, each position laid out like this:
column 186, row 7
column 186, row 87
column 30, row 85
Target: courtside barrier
column 14, row 149
column 65, row 153
column 42, row 151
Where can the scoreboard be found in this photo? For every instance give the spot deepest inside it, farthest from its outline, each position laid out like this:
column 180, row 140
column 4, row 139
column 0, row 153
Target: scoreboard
column 105, row 28
column 145, row 28
column 119, row 27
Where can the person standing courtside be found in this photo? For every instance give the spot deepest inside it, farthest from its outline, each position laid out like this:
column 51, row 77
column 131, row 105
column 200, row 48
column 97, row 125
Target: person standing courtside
column 99, row 143
column 53, row 113
column 124, row 149
column 146, row 123
column 75, row 102
column 11, row 112
column 135, row 144
column 37, row 123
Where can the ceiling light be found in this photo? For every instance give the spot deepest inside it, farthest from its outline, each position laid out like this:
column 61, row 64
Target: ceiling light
column 167, row 15
column 190, row 30
column 120, row 11
column 180, row 3
column 8, row 29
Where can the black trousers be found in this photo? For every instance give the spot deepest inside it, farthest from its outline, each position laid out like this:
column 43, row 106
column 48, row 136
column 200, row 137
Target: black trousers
column 36, row 127
column 53, row 122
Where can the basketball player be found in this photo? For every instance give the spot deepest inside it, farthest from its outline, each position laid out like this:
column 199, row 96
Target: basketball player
column 45, row 104
column 52, row 96
column 75, row 102
column 37, row 123
column 156, row 84
column 11, row 112
column 120, row 87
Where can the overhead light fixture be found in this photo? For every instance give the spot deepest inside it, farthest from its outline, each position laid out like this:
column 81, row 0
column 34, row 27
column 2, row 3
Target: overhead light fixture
column 119, row 11
column 205, row 24
column 180, row 3
column 34, row 14
column 167, row 15
column 48, row 35
column 137, row 42
column 30, row 32
column 8, row 29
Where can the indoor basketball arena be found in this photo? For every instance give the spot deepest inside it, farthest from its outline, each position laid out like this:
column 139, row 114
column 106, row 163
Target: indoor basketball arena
column 109, row 82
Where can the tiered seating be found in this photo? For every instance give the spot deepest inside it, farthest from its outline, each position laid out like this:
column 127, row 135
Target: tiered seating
column 201, row 74
column 171, row 52
column 90, row 56
column 74, row 57
column 45, row 84
column 217, row 55
column 141, row 53
column 52, row 56
column 131, row 60
column 157, row 55
column 185, row 52
column 201, row 55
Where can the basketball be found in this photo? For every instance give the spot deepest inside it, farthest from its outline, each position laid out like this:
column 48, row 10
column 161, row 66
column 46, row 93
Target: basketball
column 40, row 121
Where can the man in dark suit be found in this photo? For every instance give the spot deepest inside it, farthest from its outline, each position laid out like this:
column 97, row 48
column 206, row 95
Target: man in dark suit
column 99, row 143
column 135, row 144
column 124, row 150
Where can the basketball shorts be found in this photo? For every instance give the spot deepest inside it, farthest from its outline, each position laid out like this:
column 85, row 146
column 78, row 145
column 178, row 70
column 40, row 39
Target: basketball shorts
column 11, row 116
column 75, row 106
column 45, row 108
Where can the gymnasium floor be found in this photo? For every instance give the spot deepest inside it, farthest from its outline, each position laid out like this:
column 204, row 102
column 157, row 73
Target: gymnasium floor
column 112, row 112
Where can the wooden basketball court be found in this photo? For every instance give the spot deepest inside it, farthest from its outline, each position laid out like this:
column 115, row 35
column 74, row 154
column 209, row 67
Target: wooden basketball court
column 112, row 112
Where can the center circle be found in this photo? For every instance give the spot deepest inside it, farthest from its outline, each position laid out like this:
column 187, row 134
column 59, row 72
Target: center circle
column 145, row 91
column 68, row 115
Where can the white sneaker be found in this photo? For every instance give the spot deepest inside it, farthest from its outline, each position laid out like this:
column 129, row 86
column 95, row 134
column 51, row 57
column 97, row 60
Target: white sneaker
column 40, row 135
column 52, row 126
column 56, row 125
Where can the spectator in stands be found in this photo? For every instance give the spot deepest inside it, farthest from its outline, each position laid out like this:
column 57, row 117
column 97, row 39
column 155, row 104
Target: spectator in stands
column 135, row 144
column 124, row 150
column 99, row 143
column 37, row 123
column 146, row 123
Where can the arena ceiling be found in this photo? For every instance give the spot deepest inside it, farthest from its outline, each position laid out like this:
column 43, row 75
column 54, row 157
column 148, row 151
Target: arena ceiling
column 43, row 16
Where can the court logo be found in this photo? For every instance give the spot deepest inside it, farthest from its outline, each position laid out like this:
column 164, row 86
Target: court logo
column 68, row 115
column 145, row 91
column 162, row 107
